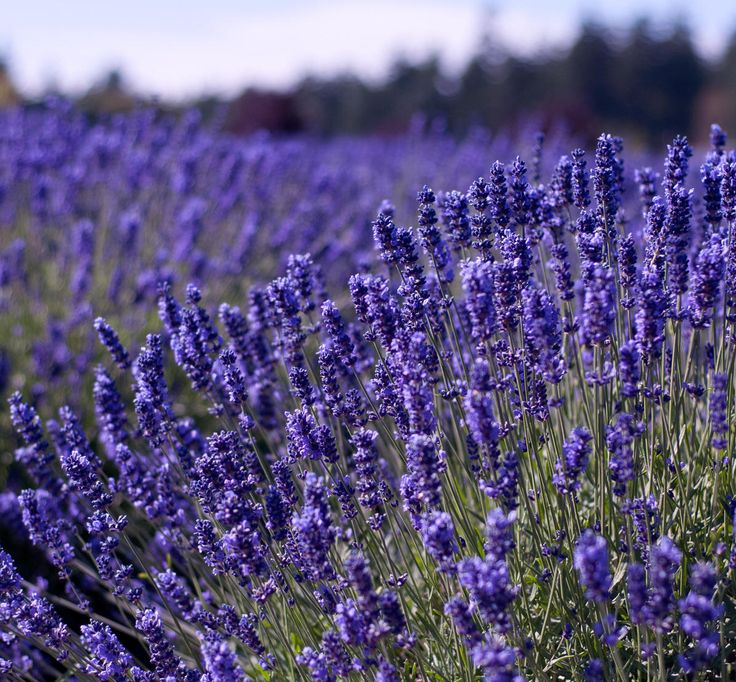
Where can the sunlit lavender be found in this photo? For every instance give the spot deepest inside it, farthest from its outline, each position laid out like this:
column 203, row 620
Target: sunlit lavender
column 395, row 410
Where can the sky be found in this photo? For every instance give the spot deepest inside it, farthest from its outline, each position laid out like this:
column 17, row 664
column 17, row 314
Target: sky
column 183, row 48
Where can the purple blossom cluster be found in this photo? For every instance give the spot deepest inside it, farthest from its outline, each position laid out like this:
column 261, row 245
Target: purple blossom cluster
column 365, row 466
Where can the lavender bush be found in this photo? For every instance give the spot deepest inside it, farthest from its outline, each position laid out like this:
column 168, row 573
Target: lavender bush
column 500, row 448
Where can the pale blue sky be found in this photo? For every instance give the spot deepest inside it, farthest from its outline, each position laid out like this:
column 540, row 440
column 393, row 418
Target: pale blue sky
column 178, row 48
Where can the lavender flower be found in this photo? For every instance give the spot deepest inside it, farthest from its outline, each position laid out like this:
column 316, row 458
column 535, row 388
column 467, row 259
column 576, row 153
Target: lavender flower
column 646, row 178
column 718, row 412
column 575, row 453
column 717, row 138
column 706, row 282
column 339, row 340
column 499, row 534
column 27, row 424
column 374, row 306
column 650, row 317
column 360, row 579
column 677, row 232
column 482, row 227
column 599, row 312
column 594, row 671
column 438, row 535
column 109, row 659
column 30, row 615
column 169, row 310
column 496, row 658
column 728, row 188
column 301, row 388
column 478, row 278
column 580, row 179
column 424, row 469
column 314, row 531
column 163, row 657
column 676, row 164
column 620, row 440
column 519, row 191
column 498, row 196
column 664, row 560
column 152, row 402
column 560, row 265
column 233, row 377
column 479, row 407
column 627, row 270
column 636, row 592
column 456, row 219
column 220, row 662
column 710, row 176
column 488, row 580
column 353, row 627
column 384, row 236
column 316, row 662
column 561, row 184
column 109, row 409
column 386, row 672
column 591, row 562
column 606, row 180
column 543, row 334
column 430, row 237
column 365, row 458
column 629, row 370
column 227, row 466
column 306, row 277
column 697, row 610
column 490, row 587
column 109, row 339
column 462, row 617
column 82, row 473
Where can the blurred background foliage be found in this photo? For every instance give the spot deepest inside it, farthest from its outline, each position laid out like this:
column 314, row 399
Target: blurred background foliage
column 645, row 83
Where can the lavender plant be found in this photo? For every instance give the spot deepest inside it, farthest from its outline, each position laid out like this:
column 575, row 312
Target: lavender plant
column 521, row 472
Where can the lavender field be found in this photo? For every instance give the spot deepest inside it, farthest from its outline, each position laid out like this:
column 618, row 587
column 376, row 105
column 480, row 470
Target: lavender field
column 388, row 409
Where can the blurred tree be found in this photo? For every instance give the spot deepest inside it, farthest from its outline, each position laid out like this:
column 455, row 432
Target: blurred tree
column 8, row 94
column 110, row 95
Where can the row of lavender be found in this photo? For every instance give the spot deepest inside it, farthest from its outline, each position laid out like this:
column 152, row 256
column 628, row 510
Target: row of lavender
column 506, row 454
column 93, row 214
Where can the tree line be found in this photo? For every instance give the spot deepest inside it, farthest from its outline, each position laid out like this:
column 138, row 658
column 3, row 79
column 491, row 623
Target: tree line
column 644, row 83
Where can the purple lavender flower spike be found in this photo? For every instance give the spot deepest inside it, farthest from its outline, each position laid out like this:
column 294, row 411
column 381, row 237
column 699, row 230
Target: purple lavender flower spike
column 456, row 219
column 580, row 180
column 620, row 440
column 314, row 531
column 664, row 560
column 676, row 164
column 543, row 333
column 629, row 370
column 109, row 659
column 430, row 236
column 718, row 412
column 599, row 312
column 591, row 562
column 163, row 657
column 697, row 610
column 220, row 662
column 706, row 282
column 438, row 535
column 111, row 341
column 477, row 278
column 575, row 453
column 646, row 178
